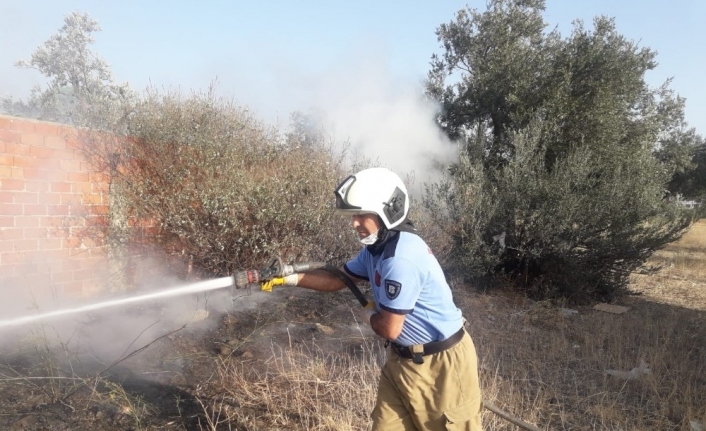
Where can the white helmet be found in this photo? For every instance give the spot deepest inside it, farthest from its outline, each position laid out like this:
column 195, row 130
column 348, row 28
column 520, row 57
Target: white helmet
column 376, row 190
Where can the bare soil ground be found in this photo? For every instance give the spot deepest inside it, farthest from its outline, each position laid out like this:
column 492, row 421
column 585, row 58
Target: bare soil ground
column 541, row 361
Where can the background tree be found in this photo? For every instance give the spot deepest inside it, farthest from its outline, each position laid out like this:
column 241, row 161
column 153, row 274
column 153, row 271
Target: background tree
column 568, row 152
column 81, row 89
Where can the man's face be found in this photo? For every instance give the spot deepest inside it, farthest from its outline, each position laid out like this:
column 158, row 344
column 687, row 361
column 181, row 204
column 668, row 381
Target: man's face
column 365, row 224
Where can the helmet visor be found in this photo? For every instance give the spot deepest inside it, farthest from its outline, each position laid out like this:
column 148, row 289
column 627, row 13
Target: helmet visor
column 341, row 193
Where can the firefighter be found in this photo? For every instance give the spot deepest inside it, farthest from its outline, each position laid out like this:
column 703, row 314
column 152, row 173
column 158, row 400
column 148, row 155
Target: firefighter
column 430, row 378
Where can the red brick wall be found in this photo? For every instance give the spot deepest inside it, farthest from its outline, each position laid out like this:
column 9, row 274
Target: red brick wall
column 52, row 208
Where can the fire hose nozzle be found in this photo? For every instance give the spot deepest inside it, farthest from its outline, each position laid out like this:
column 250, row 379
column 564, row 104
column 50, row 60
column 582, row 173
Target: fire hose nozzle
column 276, row 268
column 242, row 279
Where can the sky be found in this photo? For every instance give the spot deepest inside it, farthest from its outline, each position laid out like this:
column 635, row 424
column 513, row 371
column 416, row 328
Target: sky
column 362, row 63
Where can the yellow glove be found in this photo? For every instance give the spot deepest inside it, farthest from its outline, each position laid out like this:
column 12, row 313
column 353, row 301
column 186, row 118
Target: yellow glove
column 290, row 280
column 266, row 286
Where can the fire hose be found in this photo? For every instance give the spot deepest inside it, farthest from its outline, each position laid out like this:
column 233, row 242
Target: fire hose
column 276, row 268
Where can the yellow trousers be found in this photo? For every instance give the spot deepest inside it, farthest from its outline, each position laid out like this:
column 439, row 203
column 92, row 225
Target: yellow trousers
column 441, row 394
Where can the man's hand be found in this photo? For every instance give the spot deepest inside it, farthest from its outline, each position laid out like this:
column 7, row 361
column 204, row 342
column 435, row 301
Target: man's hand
column 364, row 313
column 289, row 280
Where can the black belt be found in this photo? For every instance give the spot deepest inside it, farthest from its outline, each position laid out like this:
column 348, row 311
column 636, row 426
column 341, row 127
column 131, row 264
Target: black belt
column 429, row 348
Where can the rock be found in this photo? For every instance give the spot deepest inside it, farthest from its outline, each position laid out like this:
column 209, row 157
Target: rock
column 324, row 329
column 247, row 355
column 100, row 415
column 25, row 423
column 198, row 316
column 230, row 320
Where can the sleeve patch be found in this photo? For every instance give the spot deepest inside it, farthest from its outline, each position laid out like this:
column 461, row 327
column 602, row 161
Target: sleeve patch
column 392, row 288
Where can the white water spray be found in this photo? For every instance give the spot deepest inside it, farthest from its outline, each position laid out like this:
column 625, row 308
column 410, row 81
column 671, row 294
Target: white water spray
column 202, row 286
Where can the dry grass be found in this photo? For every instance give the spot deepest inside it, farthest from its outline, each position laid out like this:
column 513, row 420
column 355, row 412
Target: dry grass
column 538, row 361
column 681, row 280
column 296, row 389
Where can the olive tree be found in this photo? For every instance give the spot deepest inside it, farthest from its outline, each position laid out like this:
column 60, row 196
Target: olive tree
column 81, row 88
column 568, row 152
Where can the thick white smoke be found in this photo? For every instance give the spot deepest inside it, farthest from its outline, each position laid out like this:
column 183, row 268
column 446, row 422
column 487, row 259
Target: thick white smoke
column 368, row 108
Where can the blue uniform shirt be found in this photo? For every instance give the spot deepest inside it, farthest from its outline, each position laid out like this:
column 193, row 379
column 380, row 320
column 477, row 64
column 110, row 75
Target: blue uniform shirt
column 407, row 279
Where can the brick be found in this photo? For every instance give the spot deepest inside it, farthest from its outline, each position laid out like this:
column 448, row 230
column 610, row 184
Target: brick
column 67, row 132
column 17, row 173
column 7, row 246
column 55, row 222
column 11, row 234
column 78, row 252
column 78, row 210
column 7, row 159
column 66, row 154
column 21, row 221
column 7, row 221
column 71, row 264
column 17, row 149
column 32, row 139
column 26, row 245
column 70, row 198
column 12, row 184
column 97, row 220
column 11, row 209
column 84, row 274
column 91, row 262
column 82, row 187
column 98, row 209
column 12, row 258
column 35, row 209
column 10, row 136
column 61, row 187
column 26, row 162
column 41, row 152
column 22, row 126
column 36, row 186
column 57, row 210
column 62, row 277
column 7, row 197
column 33, row 173
column 100, row 188
column 46, row 129
column 50, row 244
column 35, row 233
column 54, row 175
column 49, row 198
column 25, row 198
column 70, row 165
column 74, row 224
column 78, row 177
column 92, row 199
column 55, row 142
column 98, row 177
column 57, row 232
column 5, row 172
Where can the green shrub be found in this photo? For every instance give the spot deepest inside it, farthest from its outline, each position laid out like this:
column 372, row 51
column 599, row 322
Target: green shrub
column 225, row 192
column 577, row 230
